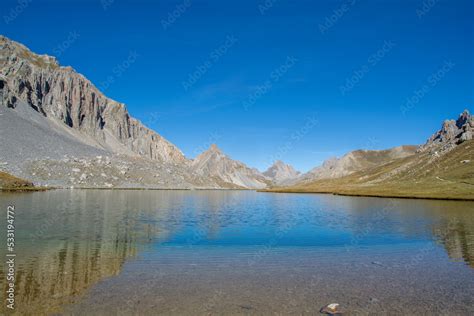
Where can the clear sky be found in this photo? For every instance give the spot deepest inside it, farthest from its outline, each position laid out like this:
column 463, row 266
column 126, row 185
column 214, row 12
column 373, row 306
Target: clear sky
column 299, row 81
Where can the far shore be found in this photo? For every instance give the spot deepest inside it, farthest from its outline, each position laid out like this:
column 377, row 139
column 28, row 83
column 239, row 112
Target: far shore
column 36, row 189
column 374, row 195
column 276, row 190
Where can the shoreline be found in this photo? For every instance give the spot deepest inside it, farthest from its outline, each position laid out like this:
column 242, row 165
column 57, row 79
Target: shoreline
column 40, row 189
column 26, row 189
column 374, row 195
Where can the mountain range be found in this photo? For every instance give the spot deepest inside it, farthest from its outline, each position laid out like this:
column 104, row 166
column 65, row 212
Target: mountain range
column 354, row 161
column 442, row 168
column 57, row 129
column 54, row 118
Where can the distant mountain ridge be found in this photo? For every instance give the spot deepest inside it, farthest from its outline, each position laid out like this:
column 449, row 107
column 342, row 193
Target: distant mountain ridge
column 443, row 168
column 451, row 134
column 66, row 115
column 53, row 118
column 355, row 161
column 214, row 164
column 281, row 173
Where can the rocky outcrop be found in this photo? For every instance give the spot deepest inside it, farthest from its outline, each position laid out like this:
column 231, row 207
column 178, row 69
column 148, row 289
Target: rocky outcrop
column 50, row 113
column 281, row 173
column 214, row 164
column 451, row 134
column 65, row 96
column 356, row 161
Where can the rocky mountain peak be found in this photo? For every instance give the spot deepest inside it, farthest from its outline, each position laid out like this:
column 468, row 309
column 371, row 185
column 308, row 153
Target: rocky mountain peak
column 451, row 134
column 214, row 164
column 280, row 164
column 214, row 149
column 213, row 152
column 18, row 51
column 281, row 172
column 464, row 117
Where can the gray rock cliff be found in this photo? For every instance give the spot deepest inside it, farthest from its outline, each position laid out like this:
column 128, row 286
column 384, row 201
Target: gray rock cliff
column 451, row 134
column 63, row 95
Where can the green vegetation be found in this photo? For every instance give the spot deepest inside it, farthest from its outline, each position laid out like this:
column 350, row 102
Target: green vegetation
column 39, row 61
column 424, row 175
column 11, row 183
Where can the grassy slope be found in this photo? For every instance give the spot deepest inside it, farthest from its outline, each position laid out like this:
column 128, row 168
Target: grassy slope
column 419, row 176
column 9, row 182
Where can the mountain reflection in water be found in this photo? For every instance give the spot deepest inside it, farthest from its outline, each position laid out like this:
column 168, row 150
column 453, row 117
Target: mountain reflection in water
column 67, row 241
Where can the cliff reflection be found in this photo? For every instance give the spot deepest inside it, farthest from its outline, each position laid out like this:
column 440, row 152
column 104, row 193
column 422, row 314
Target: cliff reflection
column 66, row 245
column 67, row 241
column 450, row 223
column 456, row 234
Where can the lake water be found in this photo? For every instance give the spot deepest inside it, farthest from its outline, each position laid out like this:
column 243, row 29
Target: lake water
column 237, row 252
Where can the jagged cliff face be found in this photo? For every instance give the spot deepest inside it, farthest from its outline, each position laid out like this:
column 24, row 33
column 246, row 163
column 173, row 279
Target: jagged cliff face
column 50, row 113
column 451, row 134
column 63, row 95
column 217, row 166
column 280, row 172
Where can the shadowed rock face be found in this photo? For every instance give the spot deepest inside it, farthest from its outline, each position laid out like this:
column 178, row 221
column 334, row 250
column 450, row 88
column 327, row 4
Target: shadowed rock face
column 50, row 113
column 452, row 133
column 63, row 95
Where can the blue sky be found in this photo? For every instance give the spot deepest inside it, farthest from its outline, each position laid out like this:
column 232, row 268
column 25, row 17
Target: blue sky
column 299, row 81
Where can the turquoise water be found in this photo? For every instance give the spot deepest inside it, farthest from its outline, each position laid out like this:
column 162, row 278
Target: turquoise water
column 238, row 252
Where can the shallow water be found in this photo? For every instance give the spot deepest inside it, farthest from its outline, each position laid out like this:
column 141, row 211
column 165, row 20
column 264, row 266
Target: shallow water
column 237, row 252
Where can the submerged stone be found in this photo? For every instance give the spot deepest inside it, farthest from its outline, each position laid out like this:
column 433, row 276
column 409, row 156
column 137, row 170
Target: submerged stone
column 331, row 309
